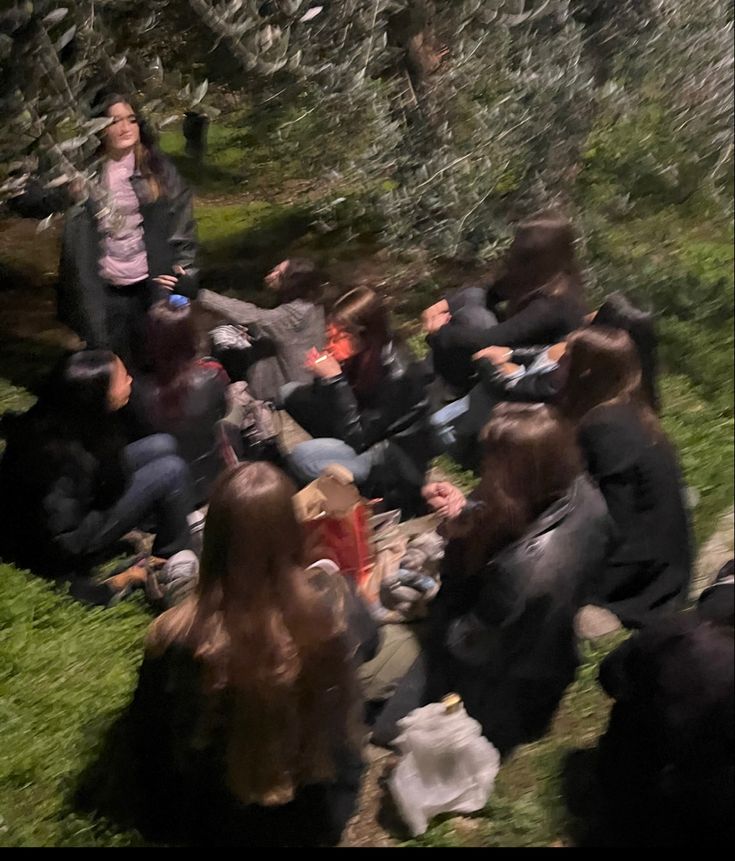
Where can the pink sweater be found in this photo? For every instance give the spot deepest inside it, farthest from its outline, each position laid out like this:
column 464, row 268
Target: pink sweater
column 124, row 260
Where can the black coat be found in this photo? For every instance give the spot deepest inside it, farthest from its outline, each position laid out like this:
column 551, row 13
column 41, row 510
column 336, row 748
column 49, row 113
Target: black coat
column 648, row 572
column 504, row 639
column 54, row 495
column 170, row 239
column 194, row 428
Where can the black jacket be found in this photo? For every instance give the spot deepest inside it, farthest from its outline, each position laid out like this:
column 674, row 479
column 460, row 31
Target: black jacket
column 393, row 424
column 648, row 572
column 53, row 496
column 170, row 238
column 666, row 759
column 504, row 639
column 194, row 428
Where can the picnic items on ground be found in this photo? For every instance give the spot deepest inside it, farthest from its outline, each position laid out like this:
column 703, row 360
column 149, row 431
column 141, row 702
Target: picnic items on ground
column 447, row 766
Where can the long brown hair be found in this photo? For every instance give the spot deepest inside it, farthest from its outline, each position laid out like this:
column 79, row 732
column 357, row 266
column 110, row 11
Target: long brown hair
column 363, row 313
column 541, row 260
column 530, row 459
column 603, row 367
column 267, row 639
column 171, row 342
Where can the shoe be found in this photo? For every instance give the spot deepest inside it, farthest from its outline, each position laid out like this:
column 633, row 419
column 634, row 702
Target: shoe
column 171, row 584
column 196, row 522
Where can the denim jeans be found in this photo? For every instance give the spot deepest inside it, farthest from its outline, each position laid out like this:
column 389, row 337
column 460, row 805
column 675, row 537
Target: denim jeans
column 159, row 490
column 308, row 459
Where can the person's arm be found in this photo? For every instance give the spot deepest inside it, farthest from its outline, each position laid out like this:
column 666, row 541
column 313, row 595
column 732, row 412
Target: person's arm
column 35, row 201
column 182, row 235
column 518, row 386
column 278, row 323
column 530, row 325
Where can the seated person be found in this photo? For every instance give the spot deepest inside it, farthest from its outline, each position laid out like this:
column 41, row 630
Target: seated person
column 635, row 466
column 181, row 395
column 289, row 330
column 70, row 487
column 246, row 722
column 543, row 288
column 666, row 760
column 536, row 374
column 521, row 554
column 367, row 408
column 533, row 373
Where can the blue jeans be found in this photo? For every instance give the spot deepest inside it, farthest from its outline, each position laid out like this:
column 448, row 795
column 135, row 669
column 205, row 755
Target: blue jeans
column 443, row 421
column 159, row 490
column 309, row 458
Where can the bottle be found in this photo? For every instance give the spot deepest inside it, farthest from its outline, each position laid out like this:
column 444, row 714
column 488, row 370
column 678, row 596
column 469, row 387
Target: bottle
column 446, row 765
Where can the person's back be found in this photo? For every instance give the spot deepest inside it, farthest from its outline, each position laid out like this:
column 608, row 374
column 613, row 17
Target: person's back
column 193, row 425
column 511, row 652
column 666, row 758
column 648, row 571
column 245, row 722
column 630, row 457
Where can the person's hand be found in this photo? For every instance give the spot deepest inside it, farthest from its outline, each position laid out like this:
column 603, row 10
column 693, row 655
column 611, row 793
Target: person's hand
column 556, row 351
column 323, row 365
column 443, row 498
column 496, row 355
column 168, row 282
column 436, row 316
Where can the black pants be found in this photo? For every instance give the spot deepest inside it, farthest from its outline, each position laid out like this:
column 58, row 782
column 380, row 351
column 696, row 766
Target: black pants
column 125, row 313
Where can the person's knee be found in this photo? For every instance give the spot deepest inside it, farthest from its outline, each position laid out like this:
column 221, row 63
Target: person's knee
column 162, row 444
column 172, row 472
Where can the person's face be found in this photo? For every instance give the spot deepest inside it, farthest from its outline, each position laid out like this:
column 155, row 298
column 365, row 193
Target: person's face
column 123, row 133
column 274, row 279
column 121, row 384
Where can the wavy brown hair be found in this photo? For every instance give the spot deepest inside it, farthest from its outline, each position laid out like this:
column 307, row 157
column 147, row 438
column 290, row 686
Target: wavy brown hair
column 541, row 260
column 268, row 642
column 530, row 459
column 603, row 368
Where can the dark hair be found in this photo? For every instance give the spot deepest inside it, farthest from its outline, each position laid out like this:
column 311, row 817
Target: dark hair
column 617, row 312
column 301, row 280
column 148, row 159
column 603, row 368
column 171, row 342
column 74, row 407
column 541, row 260
column 268, row 639
column 363, row 313
column 530, row 459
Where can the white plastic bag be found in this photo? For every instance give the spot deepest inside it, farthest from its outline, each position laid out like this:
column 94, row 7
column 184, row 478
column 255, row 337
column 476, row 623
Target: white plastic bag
column 447, row 765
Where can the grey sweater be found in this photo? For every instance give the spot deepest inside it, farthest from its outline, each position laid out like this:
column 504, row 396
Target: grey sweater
column 293, row 329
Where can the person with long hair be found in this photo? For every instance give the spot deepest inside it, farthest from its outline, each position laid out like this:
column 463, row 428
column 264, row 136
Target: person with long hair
column 285, row 333
column 522, row 551
column 367, row 407
column 542, row 286
column 127, row 238
column 247, row 716
column 635, row 466
column 71, row 486
column 183, row 394
column 536, row 374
